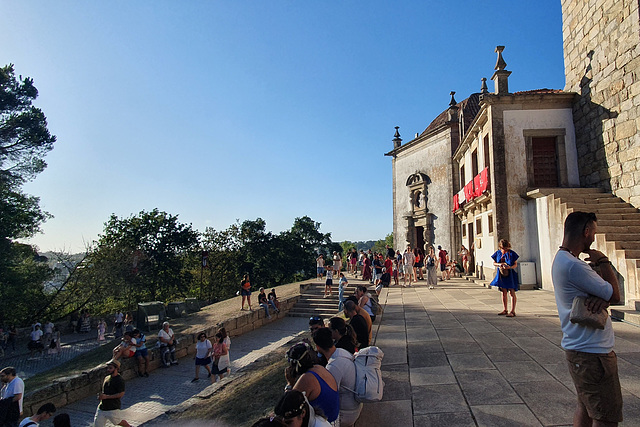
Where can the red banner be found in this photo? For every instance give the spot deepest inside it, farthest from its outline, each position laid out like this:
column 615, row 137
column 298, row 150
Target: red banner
column 484, row 180
column 468, row 191
column 456, row 205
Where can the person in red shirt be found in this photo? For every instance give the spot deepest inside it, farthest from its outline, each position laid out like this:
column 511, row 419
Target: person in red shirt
column 443, row 257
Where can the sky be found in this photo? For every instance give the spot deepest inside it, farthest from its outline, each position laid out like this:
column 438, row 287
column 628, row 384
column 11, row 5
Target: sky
column 218, row 111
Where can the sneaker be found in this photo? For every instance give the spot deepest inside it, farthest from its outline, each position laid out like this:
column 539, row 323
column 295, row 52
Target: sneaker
column 140, row 374
column 194, row 380
column 430, row 287
column 146, row 374
column 174, row 363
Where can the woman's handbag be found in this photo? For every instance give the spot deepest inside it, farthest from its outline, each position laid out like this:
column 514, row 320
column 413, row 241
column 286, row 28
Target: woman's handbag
column 581, row 315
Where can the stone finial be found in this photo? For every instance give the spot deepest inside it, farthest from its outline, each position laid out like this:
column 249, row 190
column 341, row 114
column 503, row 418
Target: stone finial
column 397, row 141
column 484, row 89
column 452, row 112
column 501, row 76
column 500, row 64
column 453, row 100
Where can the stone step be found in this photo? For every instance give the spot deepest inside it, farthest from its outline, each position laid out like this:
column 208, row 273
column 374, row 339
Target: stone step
column 610, row 229
column 619, row 235
column 325, row 314
column 632, row 253
column 629, row 216
column 569, row 191
column 603, row 199
column 325, row 304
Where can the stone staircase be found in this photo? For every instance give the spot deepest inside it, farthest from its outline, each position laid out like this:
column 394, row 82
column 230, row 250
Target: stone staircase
column 313, row 303
column 618, row 235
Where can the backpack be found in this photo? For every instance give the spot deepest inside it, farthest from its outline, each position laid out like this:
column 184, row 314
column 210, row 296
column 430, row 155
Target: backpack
column 375, row 305
column 369, row 384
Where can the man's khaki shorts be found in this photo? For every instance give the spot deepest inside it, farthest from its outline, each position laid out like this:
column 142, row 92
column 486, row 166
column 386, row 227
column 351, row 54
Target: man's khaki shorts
column 595, row 376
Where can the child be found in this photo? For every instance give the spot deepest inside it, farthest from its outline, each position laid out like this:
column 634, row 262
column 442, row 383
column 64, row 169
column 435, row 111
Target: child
column 342, row 284
column 329, row 283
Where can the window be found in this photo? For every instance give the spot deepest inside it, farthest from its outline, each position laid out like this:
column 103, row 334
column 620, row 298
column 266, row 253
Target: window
column 486, row 151
column 462, row 178
column 474, row 163
column 464, row 230
column 478, row 226
column 490, row 218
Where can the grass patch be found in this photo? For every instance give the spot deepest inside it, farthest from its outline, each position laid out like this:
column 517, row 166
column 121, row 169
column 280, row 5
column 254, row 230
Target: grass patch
column 243, row 402
column 75, row 366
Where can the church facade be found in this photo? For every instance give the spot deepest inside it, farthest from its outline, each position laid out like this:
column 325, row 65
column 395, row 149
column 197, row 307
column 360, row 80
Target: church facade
column 512, row 165
column 461, row 181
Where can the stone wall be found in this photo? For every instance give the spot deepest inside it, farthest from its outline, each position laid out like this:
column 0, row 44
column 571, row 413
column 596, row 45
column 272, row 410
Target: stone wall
column 64, row 391
column 602, row 64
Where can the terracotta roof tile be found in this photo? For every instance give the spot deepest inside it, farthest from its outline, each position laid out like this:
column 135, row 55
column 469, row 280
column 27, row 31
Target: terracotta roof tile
column 467, row 109
column 530, row 92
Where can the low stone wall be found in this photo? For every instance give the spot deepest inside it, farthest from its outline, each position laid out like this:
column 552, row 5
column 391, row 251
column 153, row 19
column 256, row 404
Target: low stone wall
column 64, row 391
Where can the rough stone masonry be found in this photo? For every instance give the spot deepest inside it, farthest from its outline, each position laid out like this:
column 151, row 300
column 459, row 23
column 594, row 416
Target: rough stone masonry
column 602, row 64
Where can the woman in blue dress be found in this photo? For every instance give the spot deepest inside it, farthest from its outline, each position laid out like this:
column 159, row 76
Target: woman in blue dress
column 505, row 260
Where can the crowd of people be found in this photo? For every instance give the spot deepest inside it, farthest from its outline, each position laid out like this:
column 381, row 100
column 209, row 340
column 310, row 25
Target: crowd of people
column 269, row 302
column 388, row 268
column 321, row 374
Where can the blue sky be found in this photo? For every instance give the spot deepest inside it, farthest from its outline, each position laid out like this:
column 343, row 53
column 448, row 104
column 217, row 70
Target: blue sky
column 217, row 111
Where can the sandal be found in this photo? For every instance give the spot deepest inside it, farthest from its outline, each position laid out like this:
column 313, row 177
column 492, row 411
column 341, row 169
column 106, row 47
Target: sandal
column 502, row 313
column 512, row 314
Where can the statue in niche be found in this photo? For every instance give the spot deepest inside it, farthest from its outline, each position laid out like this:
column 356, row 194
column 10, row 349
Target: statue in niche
column 417, row 196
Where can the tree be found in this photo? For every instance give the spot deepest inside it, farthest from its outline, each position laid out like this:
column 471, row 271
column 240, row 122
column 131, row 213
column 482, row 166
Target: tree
column 24, row 141
column 146, row 255
column 24, row 137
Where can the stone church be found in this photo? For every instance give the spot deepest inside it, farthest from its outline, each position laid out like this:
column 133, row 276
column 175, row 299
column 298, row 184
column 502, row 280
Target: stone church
column 513, row 165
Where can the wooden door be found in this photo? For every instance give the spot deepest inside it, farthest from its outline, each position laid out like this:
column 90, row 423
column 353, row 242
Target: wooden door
column 545, row 162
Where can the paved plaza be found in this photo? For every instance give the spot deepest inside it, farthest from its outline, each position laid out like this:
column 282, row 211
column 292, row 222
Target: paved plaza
column 450, row 360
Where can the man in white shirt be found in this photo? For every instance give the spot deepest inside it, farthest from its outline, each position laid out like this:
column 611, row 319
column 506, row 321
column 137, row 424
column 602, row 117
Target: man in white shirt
column 408, row 260
column 13, row 392
column 118, row 321
column 340, row 365
column 589, row 351
column 48, row 332
column 45, row 412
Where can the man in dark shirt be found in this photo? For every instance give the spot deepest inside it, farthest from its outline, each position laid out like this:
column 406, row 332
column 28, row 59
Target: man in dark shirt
column 358, row 323
column 390, row 251
column 112, row 392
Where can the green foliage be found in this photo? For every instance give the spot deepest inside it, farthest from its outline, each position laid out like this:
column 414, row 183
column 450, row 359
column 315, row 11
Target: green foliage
column 374, row 245
column 146, row 254
column 21, row 283
column 24, row 137
column 24, row 141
